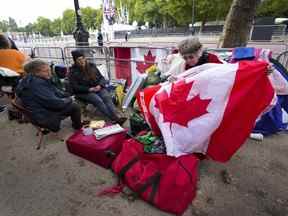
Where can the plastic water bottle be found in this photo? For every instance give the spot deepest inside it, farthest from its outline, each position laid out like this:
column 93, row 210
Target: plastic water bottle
column 87, row 131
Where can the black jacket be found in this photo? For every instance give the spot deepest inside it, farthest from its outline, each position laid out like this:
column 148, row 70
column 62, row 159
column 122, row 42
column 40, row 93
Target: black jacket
column 41, row 98
column 79, row 84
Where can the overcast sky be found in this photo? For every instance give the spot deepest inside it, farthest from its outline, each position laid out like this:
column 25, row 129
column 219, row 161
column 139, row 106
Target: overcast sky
column 25, row 11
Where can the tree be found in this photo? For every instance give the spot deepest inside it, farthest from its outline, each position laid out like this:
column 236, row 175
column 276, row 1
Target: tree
column 166, row 18
column 211, row 12
column 181, row 11
column 238, row 23
column 274, row 8
column 92, row 18
column 137, row 12
column 12, row 25
column 56, row 26
column 68, row 21
column 43, row 25
column 4, row 26
column 99, row 18
column 30, row 28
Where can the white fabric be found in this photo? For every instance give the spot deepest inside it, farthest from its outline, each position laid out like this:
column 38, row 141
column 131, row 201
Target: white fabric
column 211, row 81
column 6, row 72
column 279, row 83
column 169, row 63
column 284, row 116
column 177, row 67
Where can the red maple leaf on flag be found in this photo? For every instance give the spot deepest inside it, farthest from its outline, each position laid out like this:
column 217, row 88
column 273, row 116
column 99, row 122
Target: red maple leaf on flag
column 176, row 108
column 149, row 60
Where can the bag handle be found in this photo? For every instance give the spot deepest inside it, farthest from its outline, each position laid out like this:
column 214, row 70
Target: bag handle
column 152, row 181
column 125, row 168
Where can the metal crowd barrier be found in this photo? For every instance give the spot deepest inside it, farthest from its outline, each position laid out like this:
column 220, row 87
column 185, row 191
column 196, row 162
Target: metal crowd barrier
column 27, row 50
column 111, row 64
column 50, row 54
column 96, row 54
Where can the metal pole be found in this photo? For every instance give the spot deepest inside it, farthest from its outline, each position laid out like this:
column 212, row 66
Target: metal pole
column 81, row 36
column 193, row 16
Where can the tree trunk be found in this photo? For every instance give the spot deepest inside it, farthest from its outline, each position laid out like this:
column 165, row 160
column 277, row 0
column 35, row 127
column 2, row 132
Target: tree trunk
column 203, row 22
column 238, row 23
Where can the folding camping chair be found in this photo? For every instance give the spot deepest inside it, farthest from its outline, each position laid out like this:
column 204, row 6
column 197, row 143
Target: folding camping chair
column 283, row 59
column 17, row 103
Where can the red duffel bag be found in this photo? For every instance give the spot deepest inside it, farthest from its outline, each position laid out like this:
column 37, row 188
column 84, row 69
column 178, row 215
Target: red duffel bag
column 166, row 182
column 101, row 152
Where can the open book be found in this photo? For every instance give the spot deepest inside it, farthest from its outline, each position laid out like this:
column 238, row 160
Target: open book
column 109, row 130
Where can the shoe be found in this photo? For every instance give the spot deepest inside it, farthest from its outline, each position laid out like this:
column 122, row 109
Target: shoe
column 121, row 120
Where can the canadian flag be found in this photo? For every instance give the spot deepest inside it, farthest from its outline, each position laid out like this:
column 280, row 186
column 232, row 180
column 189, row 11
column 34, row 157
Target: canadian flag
column 210, row 109
column 130, row 61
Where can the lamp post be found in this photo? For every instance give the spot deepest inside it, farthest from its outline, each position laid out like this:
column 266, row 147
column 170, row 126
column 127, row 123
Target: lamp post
column 81, row 36
column 193, row 16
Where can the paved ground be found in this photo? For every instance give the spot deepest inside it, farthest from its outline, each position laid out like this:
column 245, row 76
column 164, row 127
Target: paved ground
column 52, row 182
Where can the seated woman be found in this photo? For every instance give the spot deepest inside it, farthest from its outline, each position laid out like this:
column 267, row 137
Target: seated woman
column 88, row 85
column 193, row 55
column 11, row 59
column 47, row 104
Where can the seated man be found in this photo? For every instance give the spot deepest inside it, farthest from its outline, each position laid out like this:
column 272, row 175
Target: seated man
column 88, row 85
column 47, row 104
column 192, row 54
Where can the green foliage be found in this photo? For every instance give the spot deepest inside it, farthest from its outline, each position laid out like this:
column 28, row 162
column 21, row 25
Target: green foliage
column 274, row 8
column 3, row 26
column 176, row 12
column 56, row 26
column 12, row 25
column 68, row 21
column 159, row 13
column 30, row 28
column 99, row 18
column 92, row 18
column 43, row 26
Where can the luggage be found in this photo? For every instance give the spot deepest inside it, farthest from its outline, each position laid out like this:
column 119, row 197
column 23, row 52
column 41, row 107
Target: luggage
column 101, row 152
column 166, row 182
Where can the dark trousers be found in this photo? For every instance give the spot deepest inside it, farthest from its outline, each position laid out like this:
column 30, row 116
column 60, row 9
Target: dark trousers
column 101, row 100
column 53, row 122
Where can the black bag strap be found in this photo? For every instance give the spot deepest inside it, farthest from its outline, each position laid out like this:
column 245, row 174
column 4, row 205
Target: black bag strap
column 186, row 170
column 125, row 168
column 152, row 181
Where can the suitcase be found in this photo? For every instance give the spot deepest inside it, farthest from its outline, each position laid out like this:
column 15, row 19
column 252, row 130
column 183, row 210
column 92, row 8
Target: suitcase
column 101, row 152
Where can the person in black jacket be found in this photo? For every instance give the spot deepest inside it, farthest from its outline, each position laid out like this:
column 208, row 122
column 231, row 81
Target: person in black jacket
column 47, row 104
column 88, row 85
column 100, row 39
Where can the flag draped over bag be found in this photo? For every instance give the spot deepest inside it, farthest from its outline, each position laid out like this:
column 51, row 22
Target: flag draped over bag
column 211, row 109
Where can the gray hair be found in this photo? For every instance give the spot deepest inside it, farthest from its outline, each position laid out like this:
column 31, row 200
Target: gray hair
column 34, row 66
column 189, row 46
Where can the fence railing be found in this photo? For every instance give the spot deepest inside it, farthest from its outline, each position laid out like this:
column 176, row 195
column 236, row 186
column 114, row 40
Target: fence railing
column 110, row 63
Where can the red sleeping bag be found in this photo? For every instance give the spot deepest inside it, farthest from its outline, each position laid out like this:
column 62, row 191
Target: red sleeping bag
column 101, row 152
column 166, row 182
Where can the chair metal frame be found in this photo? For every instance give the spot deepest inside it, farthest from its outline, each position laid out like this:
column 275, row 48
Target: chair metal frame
column 283, row 58
column 17, row 103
